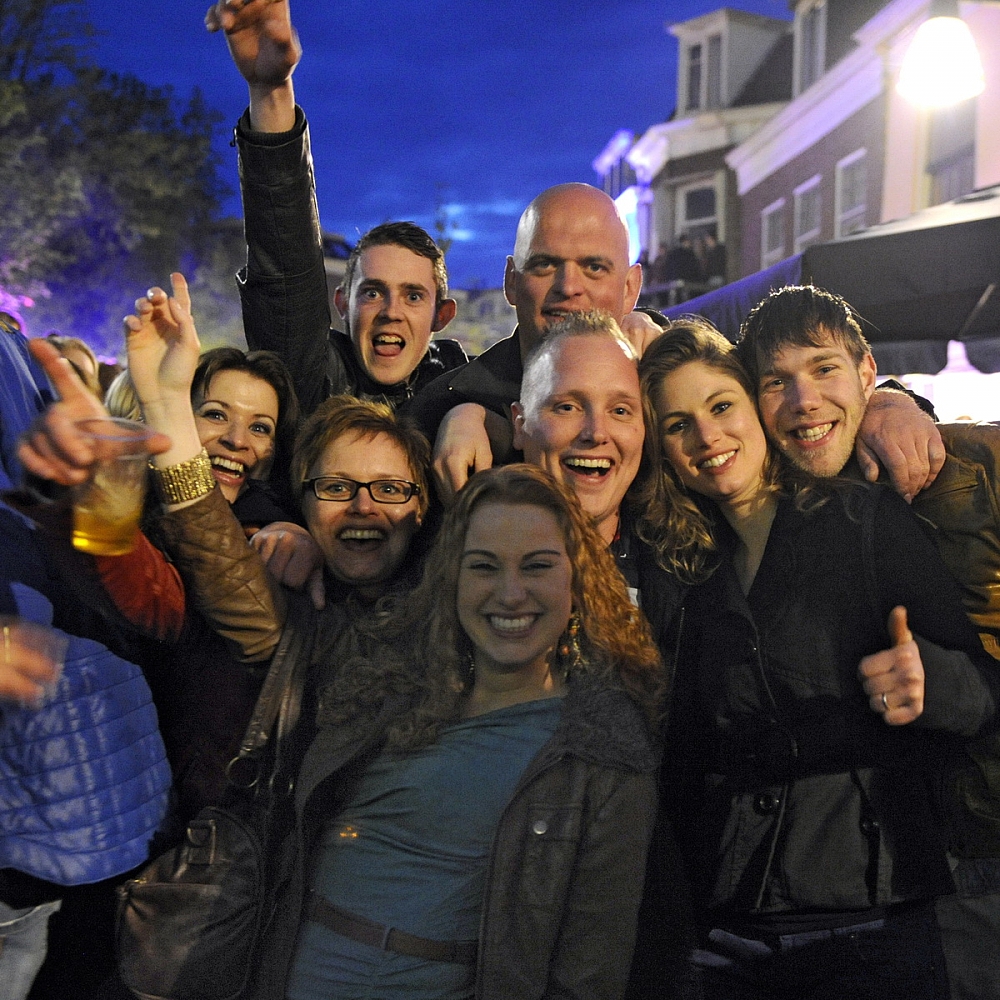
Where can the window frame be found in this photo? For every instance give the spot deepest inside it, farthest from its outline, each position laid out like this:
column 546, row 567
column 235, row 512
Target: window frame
column 768, row 257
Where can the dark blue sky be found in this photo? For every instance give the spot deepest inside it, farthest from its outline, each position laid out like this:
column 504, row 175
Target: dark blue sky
column 477, row 104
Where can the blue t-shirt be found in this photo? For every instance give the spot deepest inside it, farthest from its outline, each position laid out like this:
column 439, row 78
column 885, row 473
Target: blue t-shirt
column 410, row 849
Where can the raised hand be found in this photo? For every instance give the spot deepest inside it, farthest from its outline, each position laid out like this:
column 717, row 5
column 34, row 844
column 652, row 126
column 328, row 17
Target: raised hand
column 261, row 39
column 162, row 343
column 894, row 678
column 163, row 353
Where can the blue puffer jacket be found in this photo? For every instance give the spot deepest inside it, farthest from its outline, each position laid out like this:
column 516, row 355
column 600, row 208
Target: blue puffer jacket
column 84, row 779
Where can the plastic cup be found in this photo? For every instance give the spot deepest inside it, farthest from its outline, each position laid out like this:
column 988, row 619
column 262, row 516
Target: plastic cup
column 107, row 508
column 22, row 641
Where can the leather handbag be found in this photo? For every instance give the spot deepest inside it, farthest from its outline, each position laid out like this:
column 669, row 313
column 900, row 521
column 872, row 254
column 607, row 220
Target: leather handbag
column 188, row 925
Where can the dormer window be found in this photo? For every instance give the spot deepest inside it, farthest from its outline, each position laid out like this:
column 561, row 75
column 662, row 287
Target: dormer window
column 810, row 43
column 704, row 74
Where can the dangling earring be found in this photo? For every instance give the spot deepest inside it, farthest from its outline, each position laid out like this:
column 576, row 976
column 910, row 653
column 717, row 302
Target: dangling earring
column 569, row 647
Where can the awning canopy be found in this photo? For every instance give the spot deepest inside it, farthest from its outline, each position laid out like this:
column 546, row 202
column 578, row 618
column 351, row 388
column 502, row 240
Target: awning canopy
column 917, row 282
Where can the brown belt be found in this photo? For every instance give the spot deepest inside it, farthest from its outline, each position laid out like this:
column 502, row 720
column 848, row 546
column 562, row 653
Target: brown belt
column 388, row 938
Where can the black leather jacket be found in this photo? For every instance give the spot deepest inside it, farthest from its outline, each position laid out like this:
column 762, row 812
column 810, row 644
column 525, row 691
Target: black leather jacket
column 283, row 289
column 788, row 793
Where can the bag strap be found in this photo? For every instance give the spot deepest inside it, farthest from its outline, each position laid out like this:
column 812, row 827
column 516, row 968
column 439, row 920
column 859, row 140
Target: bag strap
column 280, row 694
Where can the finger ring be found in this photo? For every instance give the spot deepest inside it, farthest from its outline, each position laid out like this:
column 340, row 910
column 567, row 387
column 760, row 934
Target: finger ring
column 885, row 704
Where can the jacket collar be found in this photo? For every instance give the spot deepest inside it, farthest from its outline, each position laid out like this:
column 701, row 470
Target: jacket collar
column 602, row 725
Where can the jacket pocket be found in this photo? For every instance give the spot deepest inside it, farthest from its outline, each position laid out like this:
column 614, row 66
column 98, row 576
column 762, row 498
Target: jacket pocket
column 551, row 837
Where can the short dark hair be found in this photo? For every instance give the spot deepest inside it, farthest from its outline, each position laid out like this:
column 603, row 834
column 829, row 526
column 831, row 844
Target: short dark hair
column 800, row 316
column 409, row 236
column 269, row 368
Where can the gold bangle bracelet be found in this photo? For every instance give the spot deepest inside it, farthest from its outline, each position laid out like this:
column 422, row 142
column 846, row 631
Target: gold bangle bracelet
column 185, row 481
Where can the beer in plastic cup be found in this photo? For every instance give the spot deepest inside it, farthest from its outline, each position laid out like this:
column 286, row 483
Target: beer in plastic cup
column 107, row 508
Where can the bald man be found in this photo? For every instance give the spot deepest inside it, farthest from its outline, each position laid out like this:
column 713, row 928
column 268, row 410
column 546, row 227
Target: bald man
column 571, row 254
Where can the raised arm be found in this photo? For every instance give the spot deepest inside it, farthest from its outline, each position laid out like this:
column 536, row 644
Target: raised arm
column 224, row 577
column 283, row 289
column 266, row 50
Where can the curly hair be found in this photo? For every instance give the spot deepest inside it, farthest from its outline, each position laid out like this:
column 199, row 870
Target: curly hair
column 426, row 654
column 266, row 366
column 671, row 522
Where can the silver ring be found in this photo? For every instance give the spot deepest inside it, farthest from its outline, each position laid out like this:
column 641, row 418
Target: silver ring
column 885, row 704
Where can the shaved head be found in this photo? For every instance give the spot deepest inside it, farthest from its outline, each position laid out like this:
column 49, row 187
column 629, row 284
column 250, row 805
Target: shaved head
column 571, row 198
column 571, row 253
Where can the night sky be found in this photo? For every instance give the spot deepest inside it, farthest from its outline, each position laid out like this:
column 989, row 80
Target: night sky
column 476, row 105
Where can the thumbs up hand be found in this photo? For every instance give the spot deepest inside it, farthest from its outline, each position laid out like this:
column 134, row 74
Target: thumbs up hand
column 894, row 678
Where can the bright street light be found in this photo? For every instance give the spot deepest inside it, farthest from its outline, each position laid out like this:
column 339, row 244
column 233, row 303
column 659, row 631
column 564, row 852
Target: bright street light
column 942, row 65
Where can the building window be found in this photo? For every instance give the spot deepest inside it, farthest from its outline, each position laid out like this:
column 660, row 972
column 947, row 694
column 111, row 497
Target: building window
column 694, row 78
column 713, row 88
column 704, row 75
column 696, row 208
column 772, row 233
column 851, row 194
column 951, row 151
column 810, row 44
column 807, row 213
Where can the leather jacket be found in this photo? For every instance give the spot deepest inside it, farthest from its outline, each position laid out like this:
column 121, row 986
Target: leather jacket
column 961, row 512
column 788, row 792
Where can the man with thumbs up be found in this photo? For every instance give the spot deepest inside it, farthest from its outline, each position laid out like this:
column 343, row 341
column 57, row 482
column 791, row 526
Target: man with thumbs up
column 814, row 371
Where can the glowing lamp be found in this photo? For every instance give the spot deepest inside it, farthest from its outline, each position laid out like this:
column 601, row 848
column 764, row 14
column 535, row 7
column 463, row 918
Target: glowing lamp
column 942, row 65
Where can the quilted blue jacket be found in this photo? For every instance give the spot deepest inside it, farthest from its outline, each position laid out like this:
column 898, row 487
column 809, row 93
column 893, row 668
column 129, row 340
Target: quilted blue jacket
column 84, row 779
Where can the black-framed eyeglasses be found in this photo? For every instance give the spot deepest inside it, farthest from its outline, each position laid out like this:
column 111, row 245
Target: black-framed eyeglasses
column 380, row 490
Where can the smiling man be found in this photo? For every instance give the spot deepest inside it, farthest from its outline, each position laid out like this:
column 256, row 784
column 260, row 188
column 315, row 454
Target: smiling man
column 571, row 255
column 395, row 293
column 816, row 375
column 579, row 417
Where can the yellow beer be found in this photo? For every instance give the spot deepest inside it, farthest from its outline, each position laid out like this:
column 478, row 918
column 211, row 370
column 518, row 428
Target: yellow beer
column 107, row 508
column 100, row 535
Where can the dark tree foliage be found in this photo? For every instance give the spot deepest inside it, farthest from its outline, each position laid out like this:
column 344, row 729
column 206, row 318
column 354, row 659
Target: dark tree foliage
column 106, row 183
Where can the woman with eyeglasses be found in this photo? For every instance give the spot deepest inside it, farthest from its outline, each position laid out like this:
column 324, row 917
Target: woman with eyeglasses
column 477, row 785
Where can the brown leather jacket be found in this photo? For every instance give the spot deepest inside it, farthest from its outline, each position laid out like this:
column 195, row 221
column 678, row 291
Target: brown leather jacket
column 961, row 509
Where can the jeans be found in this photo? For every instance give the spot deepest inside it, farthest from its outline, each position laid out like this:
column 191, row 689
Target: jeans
column 897, row 956
column 23, row 942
